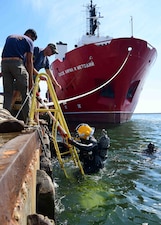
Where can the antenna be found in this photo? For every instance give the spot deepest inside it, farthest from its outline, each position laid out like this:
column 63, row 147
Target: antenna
column 131, row 26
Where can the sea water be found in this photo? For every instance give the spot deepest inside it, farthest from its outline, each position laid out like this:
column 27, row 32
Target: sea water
column 127, row 191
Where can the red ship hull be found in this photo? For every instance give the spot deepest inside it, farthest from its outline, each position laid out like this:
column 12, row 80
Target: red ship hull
column 87, row 67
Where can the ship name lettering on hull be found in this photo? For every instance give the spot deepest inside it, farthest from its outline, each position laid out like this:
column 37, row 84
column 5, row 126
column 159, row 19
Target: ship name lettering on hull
column 76, row 68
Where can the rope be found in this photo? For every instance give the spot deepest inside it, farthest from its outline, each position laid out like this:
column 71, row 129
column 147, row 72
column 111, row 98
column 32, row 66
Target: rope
column 98, row 88
column 28, row 95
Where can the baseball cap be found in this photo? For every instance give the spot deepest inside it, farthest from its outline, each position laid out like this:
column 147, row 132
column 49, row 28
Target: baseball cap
column 53, row 48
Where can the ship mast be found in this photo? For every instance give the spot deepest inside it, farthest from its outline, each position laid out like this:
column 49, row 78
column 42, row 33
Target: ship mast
column 93, row 19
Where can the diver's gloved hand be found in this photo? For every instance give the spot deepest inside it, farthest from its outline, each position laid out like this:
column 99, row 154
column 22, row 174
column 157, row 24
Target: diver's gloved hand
column 104, row 132
column 70, row 140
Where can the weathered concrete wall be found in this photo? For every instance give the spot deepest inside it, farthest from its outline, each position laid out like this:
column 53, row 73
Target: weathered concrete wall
column 19, row 161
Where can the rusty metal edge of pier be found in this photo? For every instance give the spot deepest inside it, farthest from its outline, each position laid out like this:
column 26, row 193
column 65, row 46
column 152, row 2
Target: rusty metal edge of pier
column 15, row 158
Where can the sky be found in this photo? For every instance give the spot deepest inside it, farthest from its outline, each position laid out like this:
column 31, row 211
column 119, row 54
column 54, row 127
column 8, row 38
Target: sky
column 65, row 21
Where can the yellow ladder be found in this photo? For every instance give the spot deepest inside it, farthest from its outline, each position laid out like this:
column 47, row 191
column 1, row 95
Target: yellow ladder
column 59, row 124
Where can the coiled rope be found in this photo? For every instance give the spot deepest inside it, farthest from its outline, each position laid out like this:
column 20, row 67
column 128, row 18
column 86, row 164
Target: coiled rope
column 101, row 86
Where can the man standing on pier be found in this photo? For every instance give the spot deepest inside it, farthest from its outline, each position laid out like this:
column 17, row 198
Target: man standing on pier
column 16, row 48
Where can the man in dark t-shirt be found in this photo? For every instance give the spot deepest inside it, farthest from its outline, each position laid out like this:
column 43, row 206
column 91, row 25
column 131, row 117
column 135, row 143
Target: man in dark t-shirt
column 41, row 61
column 13, row 69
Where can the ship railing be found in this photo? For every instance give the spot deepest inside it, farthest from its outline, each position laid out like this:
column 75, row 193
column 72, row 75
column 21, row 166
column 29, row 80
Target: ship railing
column 106, row 42
column 87, row 39
column 150, row 46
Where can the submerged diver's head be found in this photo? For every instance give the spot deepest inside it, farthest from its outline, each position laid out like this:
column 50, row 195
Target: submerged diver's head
column 84, row 131
column 151, row 147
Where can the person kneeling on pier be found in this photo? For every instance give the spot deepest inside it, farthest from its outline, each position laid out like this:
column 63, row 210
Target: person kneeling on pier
column 92, row 153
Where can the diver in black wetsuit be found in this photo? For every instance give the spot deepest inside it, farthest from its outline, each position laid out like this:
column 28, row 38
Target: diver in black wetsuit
column 92, row 152
column 150, row 149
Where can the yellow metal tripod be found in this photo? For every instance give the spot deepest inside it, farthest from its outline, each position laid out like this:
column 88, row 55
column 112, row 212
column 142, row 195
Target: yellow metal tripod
column 59, row 124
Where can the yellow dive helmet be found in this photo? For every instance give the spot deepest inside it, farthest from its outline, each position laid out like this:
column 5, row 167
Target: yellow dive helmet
column 84, row 131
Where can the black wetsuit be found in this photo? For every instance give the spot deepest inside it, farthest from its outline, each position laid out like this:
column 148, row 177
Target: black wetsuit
column 89, row 154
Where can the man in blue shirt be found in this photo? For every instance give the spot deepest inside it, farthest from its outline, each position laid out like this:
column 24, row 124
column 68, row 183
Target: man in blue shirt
column 16, row 48
column 41, row 61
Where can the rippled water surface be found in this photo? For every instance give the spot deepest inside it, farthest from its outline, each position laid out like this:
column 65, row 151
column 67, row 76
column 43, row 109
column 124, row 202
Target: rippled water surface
column 127, row 191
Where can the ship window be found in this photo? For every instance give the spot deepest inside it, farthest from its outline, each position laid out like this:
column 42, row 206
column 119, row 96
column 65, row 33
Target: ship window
column 108, row 91
column 132, row 90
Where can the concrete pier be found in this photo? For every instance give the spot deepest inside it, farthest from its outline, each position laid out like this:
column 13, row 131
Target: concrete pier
column 19, row 161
